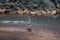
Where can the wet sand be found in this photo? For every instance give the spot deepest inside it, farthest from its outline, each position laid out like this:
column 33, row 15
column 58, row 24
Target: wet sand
column 39, row 32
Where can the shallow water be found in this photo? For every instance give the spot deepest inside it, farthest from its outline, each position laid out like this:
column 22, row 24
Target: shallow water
column 9, row 22
column 34, row 19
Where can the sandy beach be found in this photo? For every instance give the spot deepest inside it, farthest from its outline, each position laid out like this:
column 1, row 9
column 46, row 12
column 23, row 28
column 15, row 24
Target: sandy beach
column 19, row 32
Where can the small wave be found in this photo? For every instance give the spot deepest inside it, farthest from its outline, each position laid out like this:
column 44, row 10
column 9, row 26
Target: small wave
column 13, row 22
